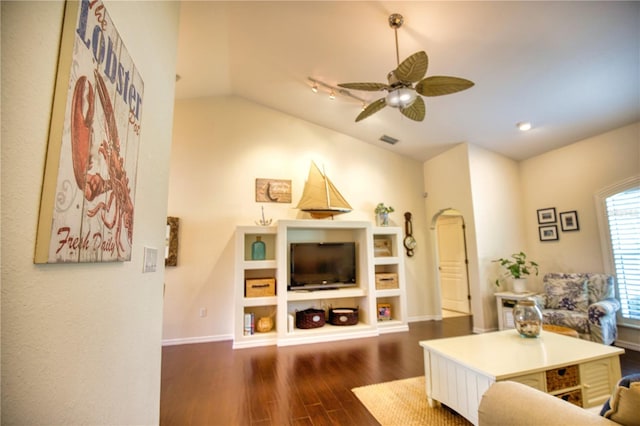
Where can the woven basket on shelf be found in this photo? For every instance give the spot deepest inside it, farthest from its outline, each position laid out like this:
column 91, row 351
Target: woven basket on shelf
column 343, row 316
column 310, row 318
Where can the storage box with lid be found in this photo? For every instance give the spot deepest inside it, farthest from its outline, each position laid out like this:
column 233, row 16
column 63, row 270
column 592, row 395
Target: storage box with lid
column 385, row 281
column 343, row 316
column 260, row 287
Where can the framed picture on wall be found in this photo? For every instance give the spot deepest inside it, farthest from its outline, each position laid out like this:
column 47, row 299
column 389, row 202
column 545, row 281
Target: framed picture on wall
column 547, row 215
column 87, row 207
column 548, row 232
column 569, row 221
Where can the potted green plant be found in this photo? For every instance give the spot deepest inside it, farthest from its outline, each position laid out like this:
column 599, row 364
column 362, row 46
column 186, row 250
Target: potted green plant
column 382, row 214
column 518, row 268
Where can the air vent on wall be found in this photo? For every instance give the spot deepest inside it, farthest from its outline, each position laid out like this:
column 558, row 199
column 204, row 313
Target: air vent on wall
column 388, row 139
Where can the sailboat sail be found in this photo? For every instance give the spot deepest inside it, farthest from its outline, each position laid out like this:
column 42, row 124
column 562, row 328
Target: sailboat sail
column 320, row 197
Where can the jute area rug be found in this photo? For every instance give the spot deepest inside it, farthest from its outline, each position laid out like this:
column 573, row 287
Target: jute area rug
column 404, row 403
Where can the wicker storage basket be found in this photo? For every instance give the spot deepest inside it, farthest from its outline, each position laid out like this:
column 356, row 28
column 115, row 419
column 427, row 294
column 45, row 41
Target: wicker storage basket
column 385, row 281
column 562, row 378
column 343, row 316
column 260, row 287
column 310, row 318
column 574, row 397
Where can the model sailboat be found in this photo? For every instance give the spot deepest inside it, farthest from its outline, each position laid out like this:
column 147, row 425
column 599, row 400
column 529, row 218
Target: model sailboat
column 320, row 198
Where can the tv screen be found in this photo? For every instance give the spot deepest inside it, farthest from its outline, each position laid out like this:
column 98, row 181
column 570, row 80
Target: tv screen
column 322, row 265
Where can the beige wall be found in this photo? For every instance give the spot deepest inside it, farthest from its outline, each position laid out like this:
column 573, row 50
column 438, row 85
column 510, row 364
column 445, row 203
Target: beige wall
column 216, row 158
column 81, row 344
column 567, row 179
column 448, row 186
column 481, row 185
column 221, row 145
column 498, row 198
column 497, row 207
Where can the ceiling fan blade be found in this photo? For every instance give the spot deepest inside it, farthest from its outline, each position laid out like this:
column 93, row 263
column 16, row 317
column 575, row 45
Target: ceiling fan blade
column 413, row 68
column 372, row 108
column 442, row 85
column 415, row 111
column 371, row 87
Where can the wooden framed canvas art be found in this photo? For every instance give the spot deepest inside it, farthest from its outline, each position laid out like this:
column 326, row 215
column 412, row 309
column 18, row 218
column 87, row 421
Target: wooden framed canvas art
column 89, row 184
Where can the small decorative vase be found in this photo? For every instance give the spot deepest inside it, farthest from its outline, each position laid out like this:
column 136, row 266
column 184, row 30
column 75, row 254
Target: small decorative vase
column 527, row 318
column 383, row 219
column 519, row 285
column 258, row 250
column 265, row 324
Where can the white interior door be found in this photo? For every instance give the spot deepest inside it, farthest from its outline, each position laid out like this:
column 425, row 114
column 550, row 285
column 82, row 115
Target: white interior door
column 452, row 265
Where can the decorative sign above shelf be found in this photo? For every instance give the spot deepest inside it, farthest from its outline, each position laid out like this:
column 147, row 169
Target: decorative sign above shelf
column 273, row 191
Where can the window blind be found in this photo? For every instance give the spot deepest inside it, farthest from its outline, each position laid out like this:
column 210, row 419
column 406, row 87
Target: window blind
column 623, row 214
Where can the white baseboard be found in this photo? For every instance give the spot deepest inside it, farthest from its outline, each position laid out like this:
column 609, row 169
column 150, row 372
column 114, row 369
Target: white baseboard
column 628, row 345
column 199, row 339
column 424, row 318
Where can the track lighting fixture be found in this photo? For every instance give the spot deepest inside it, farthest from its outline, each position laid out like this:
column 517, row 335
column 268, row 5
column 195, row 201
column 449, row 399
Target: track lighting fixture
column 333, row 91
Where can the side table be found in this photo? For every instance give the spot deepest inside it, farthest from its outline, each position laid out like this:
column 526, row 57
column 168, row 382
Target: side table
column 505, row 301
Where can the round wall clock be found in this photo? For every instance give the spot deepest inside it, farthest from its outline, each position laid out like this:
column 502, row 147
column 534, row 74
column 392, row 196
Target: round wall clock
column 409, row 242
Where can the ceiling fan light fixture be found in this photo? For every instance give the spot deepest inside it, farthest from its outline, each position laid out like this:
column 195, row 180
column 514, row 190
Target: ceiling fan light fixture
column 524, row 126
column 401, row 98
column 314, row 88
column 406, row 82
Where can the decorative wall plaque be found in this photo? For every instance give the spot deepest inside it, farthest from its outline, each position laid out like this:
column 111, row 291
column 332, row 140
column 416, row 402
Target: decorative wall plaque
column 273, row 191
column 89, row 185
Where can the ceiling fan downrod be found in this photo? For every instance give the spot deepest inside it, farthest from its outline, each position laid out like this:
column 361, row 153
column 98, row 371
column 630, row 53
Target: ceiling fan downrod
column 395, row 21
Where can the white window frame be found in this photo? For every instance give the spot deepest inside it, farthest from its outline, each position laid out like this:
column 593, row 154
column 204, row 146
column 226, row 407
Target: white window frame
column 605, row 236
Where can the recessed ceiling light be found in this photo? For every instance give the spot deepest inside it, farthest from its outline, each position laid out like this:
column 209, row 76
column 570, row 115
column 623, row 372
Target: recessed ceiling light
column 524, row 126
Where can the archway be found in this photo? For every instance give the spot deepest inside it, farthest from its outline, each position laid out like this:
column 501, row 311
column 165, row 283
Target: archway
column 452, row 277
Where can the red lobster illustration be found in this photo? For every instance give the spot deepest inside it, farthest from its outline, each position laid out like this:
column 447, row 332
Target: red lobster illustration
column 94, row 184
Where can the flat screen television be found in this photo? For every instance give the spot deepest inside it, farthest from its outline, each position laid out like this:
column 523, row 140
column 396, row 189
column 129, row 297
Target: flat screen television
column 322, row 265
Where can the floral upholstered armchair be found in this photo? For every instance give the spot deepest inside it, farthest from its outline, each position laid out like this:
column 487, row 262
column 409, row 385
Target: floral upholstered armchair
column 584, row 302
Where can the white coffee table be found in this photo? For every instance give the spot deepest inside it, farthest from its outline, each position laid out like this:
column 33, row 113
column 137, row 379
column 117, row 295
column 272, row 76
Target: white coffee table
column 459, row 370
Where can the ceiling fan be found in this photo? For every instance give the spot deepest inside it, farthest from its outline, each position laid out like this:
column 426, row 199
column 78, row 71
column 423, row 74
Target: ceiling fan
column 402, row 93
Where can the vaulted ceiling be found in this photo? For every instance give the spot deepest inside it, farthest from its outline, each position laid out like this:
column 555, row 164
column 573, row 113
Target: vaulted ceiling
column 570, row 68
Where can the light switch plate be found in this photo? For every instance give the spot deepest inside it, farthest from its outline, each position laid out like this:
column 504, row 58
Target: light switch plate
column 150, row 259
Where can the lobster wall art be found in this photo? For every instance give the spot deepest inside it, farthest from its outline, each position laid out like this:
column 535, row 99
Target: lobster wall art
column 117, row 212
column 87, row 207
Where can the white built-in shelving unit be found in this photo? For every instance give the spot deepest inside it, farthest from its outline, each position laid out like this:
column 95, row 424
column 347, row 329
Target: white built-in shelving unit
column 392, row 263
column 283, row 305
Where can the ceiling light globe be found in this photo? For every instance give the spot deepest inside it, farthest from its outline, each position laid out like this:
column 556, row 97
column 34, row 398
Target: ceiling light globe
column 524, row 126
column 401, row 98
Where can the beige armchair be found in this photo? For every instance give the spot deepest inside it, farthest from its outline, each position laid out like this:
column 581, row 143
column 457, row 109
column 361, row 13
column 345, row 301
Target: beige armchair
column 584, row 302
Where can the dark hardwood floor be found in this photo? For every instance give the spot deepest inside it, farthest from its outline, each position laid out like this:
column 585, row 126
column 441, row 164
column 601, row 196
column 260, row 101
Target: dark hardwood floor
column 212, row 384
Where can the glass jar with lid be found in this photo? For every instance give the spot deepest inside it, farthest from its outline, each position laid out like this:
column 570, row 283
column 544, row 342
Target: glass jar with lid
column 527, row 318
